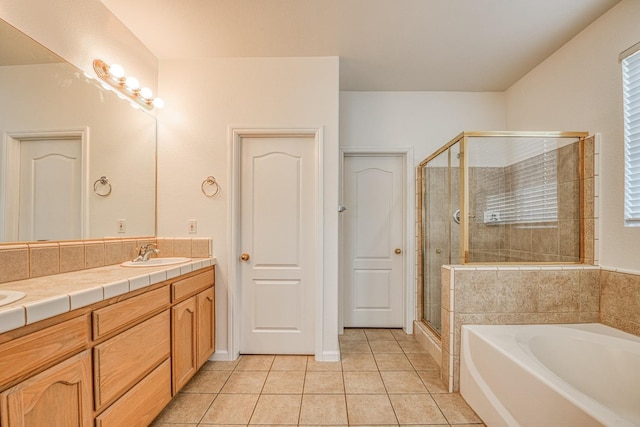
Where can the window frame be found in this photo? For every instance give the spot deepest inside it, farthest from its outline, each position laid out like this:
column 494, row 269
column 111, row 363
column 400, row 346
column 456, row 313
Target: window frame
column 630, row 64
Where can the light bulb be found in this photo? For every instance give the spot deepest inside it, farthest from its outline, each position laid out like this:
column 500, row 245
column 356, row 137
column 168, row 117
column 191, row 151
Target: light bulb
column 158, row 103
column 116, row 71
column 146, row 93
column 132, row 83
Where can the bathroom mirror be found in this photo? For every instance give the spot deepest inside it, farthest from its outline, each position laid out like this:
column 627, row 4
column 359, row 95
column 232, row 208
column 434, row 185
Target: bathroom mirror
column 76, row 161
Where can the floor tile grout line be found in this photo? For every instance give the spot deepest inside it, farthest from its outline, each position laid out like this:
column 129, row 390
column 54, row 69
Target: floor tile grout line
column 342, row 371
column 216, row 396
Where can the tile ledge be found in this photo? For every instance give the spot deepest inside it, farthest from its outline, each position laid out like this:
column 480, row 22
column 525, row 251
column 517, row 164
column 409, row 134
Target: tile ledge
column 620, row 270
column 51, row 306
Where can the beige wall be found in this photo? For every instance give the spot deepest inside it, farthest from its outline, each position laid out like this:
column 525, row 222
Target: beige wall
column 579, row 88
column 81, row 31
column 423, row 120
column 205, row 97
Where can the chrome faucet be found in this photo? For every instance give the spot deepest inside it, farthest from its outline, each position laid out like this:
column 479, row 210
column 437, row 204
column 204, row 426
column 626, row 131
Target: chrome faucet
column 144, row 252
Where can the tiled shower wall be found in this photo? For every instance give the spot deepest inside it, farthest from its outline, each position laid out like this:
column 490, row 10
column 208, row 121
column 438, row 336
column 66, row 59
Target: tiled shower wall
column 26, row 260
column 512, row 294
column 551, row 242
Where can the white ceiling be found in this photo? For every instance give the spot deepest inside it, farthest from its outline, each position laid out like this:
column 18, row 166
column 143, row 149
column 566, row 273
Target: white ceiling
column 399, row 45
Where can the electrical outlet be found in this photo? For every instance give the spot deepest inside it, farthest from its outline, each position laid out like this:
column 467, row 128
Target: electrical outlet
column 193, row 226
column 122, row 226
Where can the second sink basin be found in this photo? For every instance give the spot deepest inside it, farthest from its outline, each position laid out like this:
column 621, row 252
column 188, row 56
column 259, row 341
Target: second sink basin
column 7, row 297
column 156, row 262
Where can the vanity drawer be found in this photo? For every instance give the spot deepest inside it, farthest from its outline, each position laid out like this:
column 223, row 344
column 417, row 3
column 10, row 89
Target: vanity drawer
column 192, row 285
column 23, row 356
column 123, row 360
column 113, row 317
column 150, row 395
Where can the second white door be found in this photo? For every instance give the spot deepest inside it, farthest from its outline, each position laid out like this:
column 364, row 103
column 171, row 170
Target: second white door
column 278, row 240
column 373, row 241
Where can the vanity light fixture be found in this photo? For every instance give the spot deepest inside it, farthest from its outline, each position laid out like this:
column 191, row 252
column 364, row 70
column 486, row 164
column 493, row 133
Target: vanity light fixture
column 114, row 76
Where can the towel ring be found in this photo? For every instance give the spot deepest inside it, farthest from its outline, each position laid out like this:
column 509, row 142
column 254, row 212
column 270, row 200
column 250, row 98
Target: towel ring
column 211, row 181
column 103, row 181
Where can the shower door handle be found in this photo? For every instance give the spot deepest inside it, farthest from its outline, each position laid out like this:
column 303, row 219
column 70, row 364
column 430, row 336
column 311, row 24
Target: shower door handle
column 456, row 216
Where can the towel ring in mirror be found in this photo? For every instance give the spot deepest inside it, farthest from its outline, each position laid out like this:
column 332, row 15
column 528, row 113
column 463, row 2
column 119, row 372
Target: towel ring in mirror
column 210, row 181
column 102, row 186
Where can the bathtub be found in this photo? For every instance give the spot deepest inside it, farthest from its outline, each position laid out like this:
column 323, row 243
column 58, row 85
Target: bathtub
column 551, row 375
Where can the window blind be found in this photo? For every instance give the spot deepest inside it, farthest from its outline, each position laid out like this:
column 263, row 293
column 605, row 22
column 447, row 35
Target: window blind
column 533, row 196
column 631, row 99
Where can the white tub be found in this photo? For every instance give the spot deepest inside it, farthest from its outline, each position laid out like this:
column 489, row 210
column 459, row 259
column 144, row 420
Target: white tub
column 551, row 375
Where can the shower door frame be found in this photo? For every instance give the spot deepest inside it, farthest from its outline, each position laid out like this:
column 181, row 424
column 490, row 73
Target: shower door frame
column 463, row 193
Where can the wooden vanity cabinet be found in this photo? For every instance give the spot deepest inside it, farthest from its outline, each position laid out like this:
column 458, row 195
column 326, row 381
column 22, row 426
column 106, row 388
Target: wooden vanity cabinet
column 117, row 363
column 192, row 326
column 58, row 397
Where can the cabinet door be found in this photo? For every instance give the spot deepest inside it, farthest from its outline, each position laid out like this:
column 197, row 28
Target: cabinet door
column 183, row 342
column 206, row 320
column 57, row 397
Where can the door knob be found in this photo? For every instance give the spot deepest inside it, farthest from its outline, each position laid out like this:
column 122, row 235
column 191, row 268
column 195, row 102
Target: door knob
column 244, row 257
column 398, row 250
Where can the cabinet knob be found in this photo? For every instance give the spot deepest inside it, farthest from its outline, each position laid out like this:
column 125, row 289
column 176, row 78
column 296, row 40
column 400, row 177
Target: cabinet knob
column 398, row 250
column 244, row 257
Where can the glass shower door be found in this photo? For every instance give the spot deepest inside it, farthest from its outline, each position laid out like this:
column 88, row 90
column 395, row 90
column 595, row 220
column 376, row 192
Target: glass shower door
column 436, row 245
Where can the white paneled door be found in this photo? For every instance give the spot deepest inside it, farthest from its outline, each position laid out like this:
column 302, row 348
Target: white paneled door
column 278, row 244
column 50, row 189
column 373, row 274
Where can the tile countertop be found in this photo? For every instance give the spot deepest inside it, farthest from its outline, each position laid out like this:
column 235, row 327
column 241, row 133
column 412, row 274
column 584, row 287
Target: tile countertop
column 50, row 296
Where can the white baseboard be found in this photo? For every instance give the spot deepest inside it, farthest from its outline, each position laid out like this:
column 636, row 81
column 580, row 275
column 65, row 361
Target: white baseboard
column 221, row 356
column 328, row 356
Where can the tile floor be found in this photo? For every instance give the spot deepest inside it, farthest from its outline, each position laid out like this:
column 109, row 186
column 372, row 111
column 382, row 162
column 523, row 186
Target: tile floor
column 385, row 377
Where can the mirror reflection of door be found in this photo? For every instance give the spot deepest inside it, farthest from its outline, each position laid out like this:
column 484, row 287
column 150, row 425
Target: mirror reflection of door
column 50, row 189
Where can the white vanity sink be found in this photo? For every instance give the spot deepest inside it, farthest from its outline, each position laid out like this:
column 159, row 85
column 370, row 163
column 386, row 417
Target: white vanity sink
column 7, row 297
column 156, row 262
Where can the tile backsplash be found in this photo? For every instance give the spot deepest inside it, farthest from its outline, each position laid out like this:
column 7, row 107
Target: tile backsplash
column 20, row 261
